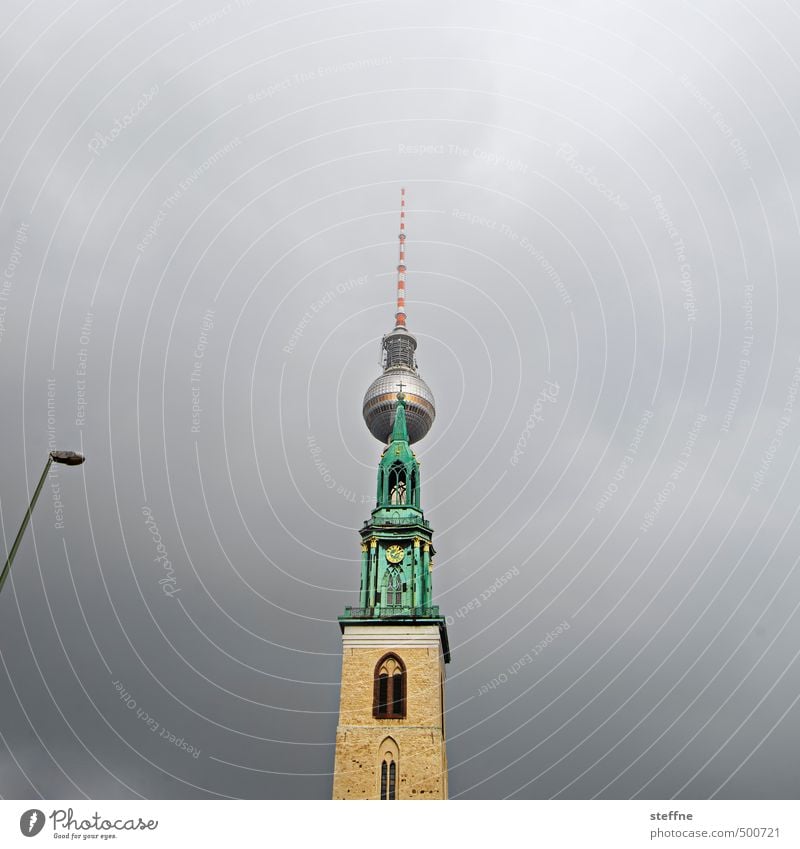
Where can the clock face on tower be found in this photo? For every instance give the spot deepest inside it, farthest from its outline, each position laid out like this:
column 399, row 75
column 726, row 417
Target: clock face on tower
column 394, row 553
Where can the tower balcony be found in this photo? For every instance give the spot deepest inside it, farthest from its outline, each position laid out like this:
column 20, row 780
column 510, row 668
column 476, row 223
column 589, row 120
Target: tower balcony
column 391, row 612
column 394, row 521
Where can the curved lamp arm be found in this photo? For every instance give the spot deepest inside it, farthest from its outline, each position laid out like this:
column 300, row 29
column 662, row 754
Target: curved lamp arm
column 67, row 458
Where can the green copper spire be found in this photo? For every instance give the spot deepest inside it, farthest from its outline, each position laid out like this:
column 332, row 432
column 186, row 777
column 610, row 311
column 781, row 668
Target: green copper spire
column 400, row 431
column 398, row 471
column 397, row 542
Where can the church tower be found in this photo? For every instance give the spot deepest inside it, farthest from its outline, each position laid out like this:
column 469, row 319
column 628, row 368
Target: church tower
column 390, row 742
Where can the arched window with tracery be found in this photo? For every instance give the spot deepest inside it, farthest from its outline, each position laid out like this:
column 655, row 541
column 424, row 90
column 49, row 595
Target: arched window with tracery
column 397, row 484
column 388, row 770
column 390, row 688
column 393, row 587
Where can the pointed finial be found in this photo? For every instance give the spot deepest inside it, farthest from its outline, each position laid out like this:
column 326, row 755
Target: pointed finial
column 400, row 315
column 400, row 428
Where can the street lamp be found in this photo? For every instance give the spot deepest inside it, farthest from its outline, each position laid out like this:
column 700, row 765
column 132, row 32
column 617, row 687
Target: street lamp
column 66, row 458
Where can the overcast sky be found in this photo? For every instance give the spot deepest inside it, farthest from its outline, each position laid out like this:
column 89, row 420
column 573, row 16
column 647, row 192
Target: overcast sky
column 199, row 217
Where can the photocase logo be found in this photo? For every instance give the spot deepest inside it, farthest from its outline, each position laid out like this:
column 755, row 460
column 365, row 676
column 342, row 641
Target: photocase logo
column 31, row 822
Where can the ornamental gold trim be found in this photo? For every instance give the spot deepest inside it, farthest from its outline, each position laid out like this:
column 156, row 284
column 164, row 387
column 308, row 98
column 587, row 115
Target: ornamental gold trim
column 392, row 396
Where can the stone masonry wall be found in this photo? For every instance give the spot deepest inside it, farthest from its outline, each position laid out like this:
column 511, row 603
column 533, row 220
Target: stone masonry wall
column 422, row 765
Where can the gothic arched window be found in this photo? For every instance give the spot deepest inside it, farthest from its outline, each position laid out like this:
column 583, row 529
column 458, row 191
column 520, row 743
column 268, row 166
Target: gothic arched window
column 388, row 756
column 390, row 688
column 393, row 587
column 397, row 484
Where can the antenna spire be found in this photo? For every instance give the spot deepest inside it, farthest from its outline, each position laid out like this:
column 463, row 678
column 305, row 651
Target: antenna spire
column 400, row 315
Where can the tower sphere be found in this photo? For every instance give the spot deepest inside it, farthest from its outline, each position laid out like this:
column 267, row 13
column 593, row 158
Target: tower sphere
column 381, row 398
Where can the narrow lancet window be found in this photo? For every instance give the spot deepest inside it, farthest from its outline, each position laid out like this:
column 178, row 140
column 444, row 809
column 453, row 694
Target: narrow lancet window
column 390, row 688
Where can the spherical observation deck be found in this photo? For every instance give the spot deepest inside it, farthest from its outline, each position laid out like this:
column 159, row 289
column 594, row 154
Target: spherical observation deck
column 381, row 399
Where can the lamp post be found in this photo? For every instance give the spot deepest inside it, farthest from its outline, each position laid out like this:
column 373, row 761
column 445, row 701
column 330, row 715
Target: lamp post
column 66, row 458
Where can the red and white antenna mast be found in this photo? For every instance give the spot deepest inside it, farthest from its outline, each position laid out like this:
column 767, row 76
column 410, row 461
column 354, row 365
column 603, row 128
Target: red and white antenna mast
column 400, row 315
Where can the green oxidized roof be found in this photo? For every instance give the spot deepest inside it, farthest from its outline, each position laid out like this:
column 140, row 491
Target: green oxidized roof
column 398, row 448
column 397, row 539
